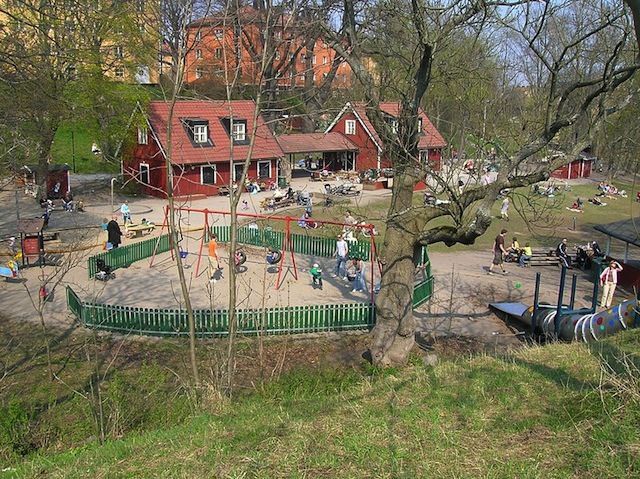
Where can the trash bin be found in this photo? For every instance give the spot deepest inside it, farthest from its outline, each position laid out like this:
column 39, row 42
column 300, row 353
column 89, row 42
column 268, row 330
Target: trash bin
column 282, row 181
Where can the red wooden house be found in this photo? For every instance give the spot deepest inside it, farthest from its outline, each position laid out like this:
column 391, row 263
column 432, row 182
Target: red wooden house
column 353, row 123
column 208, row 138
column 580, row 168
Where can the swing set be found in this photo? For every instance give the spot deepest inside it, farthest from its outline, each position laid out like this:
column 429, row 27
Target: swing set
column 274, row 256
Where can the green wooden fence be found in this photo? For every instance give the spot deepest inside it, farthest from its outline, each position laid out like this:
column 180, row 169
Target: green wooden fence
column 215, row 323
column 300, row 243
column 126, row 255
column 422, row 292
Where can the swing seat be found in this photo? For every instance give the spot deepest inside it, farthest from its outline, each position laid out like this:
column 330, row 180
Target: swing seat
column 184, row 254
column 274, row 257
column 351, row 277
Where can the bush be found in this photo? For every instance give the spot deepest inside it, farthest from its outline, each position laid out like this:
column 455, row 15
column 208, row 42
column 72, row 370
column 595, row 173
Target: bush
column 15, row 431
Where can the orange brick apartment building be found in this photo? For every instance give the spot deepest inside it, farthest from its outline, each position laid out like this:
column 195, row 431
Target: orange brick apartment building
column 214, row 41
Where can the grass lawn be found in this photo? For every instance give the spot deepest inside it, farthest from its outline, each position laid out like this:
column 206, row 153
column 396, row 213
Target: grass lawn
column 545, row 224
column 542, row 412
column 86, row 162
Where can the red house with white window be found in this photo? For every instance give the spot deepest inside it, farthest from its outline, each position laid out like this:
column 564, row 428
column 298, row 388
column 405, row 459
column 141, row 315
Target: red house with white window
column 208, row 138
column 354, row 124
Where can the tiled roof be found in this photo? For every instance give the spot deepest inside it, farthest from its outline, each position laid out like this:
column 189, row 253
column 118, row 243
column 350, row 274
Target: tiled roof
column 315, row 142
column 431, row 137
column 186, row 152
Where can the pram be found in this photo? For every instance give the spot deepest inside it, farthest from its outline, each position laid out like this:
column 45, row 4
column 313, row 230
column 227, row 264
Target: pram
column 105, row 272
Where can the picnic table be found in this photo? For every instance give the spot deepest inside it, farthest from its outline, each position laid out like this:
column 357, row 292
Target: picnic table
column 136, row 231
column 276, row 202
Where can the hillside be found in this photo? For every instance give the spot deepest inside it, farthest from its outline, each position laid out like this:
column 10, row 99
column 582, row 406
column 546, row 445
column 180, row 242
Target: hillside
column 553, row 411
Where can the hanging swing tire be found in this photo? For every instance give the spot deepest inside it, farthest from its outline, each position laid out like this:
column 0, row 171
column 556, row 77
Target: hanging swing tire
column 274, row 257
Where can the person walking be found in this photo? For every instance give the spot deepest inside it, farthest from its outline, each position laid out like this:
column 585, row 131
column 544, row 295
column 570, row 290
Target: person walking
column 126, row 213
column 342, row 252
column 114, row 234
column 499, row 252
column 561, row 253
column 609, row 281
column 504, row 210
column 213, row 256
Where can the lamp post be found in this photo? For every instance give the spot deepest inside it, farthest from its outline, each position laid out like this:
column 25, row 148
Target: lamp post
column 73, row 150
column 112, row 210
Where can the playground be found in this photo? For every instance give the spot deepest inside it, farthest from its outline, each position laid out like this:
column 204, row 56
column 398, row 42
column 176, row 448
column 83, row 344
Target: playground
column 458, row 306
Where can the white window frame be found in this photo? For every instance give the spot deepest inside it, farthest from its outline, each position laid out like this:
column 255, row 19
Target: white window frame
column 419, row 125
column 198, row 73
column 424, row 156
column 215, row 174
column 218, row 53
column 235, row 177
column 142, row 166
column 219, row 33
column 143, row 136
column 277, row 55
column 324, row 60
column 198, row 35
column 200, row 133
column 313, row 60
column 119, row 72
column 258, row 169
column 238, row 135
column 198, row 54
column 119, row 51
column 350, row 127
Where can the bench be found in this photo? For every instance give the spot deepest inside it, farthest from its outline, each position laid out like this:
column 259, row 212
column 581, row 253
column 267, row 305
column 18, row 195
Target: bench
column 277, row 203
column 542, row 258
column 139, row 230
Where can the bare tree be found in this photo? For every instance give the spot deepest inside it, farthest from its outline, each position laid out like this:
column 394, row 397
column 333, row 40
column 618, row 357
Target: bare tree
column 570, row 96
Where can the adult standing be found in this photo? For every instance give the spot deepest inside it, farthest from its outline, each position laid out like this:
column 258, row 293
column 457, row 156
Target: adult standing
column 561, row 253
column 114, row 235
column 126, row 213
column 504, row 210
column 342, row 253
column 499, row 252
column 359, row 284
column 609, row 281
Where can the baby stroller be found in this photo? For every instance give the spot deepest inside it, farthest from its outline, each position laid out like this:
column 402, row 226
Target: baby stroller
column 105, row 272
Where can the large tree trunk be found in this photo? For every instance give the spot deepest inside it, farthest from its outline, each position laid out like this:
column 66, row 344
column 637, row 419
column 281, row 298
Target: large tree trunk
column 393, row 335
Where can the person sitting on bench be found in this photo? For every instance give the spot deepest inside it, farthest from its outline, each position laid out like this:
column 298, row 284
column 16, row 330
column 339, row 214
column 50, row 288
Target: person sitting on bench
column 526, row 255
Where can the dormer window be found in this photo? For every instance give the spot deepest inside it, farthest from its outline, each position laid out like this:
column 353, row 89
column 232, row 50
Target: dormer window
column 143, row 137
column 238, row 131
column 200, row 133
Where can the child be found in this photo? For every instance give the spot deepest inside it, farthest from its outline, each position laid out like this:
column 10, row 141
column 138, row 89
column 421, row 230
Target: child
column 213, row 258
column 316, row 275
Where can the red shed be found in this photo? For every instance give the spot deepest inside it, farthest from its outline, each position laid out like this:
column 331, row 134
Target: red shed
column 353, row 123
column 56, row 174
column 579, row 168
column 208, row 137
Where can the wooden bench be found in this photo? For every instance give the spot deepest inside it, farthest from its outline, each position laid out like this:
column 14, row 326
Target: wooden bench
column 542, row 258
